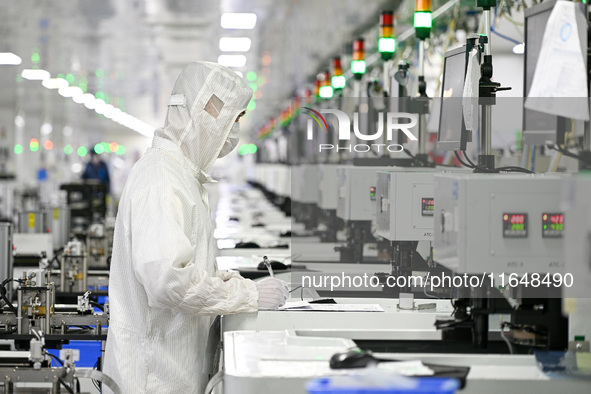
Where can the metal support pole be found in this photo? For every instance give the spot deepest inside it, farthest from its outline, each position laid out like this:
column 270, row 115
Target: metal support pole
column 422, row 57
column 422, row 135
column 19, row 314
column 485, row 130
column 486, row 17
column 387, row 66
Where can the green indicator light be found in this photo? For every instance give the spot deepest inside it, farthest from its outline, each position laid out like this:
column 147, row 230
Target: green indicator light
column 35, row 57
column 68, row 150
column 99, row 73
column 358, row 66
column 83, row 84
column 253, row 86
column 243, row 149
column 423, row 19
column 253, row 148
column 18, row 149
column 70, row 78
column 120, row 150
column 338, row 81
column 100, row 95
column 545, row 227
column 326, row 92
column 251, row 76
column 251, row 106
column 387, row 44
column 98, row 148
column 82, row 151
column 62, row 76
column 106, row 146
column 19, row 78
column 34, row 146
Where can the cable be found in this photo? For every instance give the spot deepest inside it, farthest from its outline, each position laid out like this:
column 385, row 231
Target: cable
column 492, row 30
column 96, row 304
column 68, row 388
column 493, row 170
column 507, row 341
column 461, row 161
column 533, row 158
column 55, row 358
column 217, row 378
column 468, row 159
column 568, row 153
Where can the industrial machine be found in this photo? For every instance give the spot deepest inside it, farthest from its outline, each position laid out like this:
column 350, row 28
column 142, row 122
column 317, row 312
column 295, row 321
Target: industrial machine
column 356, row 207
column 506, row 230
column 330, row 224
column 36, row 310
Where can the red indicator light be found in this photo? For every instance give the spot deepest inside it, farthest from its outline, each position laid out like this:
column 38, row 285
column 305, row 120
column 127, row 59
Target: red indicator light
column 545, row 217
column 505, row 217
column 358, row 49
column 336, row 65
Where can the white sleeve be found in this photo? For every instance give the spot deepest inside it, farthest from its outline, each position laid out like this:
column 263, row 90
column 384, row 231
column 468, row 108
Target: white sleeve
column 227, row 275
column 164, row 259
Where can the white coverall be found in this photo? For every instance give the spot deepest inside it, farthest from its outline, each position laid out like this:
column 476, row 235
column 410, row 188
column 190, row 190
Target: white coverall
column 163, row 286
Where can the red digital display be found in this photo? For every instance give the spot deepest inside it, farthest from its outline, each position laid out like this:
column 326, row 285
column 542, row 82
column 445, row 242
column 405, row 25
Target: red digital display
column 514, row 225
column 552, row 225
column 517, row 219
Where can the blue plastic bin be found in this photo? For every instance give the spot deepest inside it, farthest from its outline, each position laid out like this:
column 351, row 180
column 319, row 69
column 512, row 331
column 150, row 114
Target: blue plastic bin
column 425, row 385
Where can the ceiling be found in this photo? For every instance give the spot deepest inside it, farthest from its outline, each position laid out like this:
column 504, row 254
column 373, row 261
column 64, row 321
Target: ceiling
column 132, row 51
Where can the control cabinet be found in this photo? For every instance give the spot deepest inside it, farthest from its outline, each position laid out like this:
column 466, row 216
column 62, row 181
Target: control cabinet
column 499, row 223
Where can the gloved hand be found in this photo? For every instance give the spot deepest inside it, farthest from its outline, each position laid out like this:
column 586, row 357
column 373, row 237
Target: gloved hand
column 272, row 293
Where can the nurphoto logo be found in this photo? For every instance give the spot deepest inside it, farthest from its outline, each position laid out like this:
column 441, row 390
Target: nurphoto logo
column 394, row 121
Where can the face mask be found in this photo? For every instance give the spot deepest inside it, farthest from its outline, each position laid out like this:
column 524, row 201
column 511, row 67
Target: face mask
column 232, row 140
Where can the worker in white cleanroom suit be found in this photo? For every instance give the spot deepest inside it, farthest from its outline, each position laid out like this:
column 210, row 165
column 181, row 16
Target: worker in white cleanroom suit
column 164, row 288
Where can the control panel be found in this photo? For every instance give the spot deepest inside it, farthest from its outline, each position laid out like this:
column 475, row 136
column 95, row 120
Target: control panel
column 357, row 192
column 501, row 223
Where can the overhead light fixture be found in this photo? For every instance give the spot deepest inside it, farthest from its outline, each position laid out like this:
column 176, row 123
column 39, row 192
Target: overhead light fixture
column 239, row 20
column 70, row 91
column 232, row 60
column 519, row 49
column 9, row 59
column 235, row 44
column 239, row 74
column 55, row 83
column 35, row 75
column 88, row 100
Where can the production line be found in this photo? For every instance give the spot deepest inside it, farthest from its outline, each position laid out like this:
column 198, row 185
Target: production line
column 358, row 197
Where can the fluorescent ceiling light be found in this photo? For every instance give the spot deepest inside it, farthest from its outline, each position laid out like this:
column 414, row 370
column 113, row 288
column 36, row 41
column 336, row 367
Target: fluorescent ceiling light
column 78, row 98
column 70, row 91
column 234, row 44
column 239, row 20
column 35, row 75
column 239, row 74
column 9, row 58
column 519, row 49
column 232, row 60
column 88, row 100
column 55, row 83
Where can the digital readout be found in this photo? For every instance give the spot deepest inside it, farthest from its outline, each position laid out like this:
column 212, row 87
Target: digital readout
column 427, row 206
column 514, row 225
column 552, row 225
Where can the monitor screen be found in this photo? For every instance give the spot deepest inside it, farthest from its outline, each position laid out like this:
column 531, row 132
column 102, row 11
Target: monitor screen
column 452, row 132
